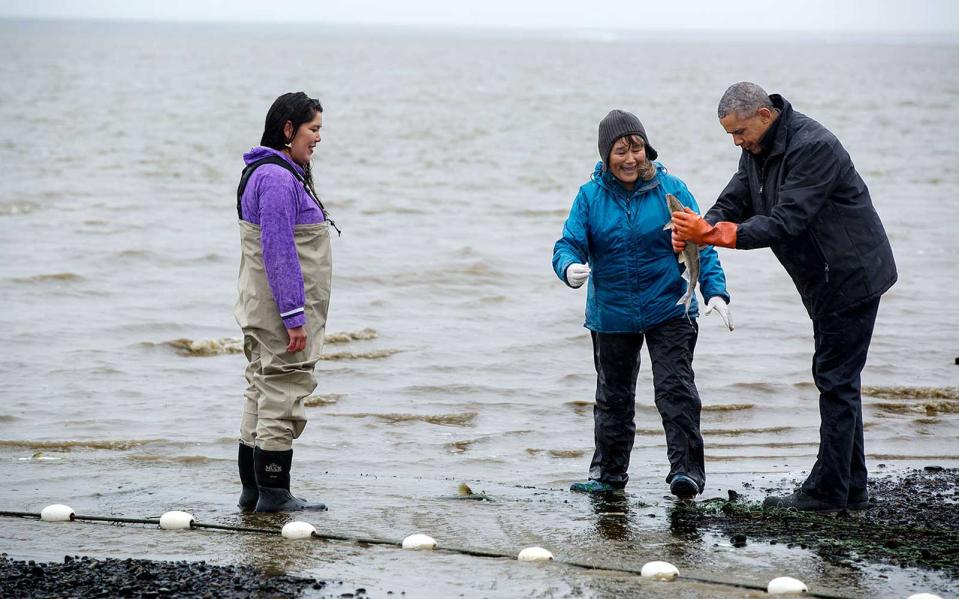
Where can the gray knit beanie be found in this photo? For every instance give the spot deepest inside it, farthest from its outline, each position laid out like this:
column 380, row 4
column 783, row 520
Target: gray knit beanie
column 619, row 123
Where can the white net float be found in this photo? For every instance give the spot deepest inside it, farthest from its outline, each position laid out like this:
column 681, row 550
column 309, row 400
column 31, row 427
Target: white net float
column 534, row 554
column 298, row 530
column 659, row 571
column 784, row 585
column 176, row 521
column 419, row 541
column 57, row 513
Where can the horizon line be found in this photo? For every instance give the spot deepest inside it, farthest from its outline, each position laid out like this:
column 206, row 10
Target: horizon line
column 940, row 34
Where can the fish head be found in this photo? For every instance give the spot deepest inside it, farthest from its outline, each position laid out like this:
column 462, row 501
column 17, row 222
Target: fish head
column 673, row 202
column 674, row 205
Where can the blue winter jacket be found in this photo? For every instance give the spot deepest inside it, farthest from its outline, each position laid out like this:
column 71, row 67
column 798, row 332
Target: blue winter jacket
column 635, row 278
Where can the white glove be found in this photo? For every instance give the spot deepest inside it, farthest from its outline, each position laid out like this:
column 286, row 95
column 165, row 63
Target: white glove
column 576, row 274
column 718, row 305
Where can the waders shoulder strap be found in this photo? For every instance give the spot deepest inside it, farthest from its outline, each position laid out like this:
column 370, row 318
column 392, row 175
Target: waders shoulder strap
column 248, row 170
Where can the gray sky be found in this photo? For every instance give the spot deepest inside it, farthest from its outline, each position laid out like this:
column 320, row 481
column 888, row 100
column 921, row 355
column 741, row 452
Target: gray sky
column 894, row 16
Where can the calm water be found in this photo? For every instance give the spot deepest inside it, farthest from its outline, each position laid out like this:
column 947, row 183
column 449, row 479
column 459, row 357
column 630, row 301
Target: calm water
column 450, row 161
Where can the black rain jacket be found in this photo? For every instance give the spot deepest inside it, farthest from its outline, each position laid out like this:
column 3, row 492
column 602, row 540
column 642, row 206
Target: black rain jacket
column 809, row 205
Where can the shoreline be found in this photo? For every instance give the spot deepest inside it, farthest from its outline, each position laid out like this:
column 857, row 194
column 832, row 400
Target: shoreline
column 911, row 523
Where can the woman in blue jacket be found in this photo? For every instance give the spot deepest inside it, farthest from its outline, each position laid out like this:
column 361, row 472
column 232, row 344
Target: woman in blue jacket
column 614, row 238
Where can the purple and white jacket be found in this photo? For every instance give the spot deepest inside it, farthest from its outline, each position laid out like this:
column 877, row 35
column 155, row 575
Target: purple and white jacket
column 277, row 202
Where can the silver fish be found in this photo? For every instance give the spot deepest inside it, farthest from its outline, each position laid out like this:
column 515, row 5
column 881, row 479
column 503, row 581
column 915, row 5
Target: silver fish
column 689, row 256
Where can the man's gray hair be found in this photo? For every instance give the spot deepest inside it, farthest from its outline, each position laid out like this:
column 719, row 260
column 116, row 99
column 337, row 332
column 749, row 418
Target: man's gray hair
column 744, row 99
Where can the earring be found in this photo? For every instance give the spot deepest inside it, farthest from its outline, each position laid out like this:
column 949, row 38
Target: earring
column 289, row 144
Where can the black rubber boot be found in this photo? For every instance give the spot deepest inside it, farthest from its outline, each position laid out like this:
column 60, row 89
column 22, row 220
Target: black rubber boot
column 858, row 500
column 683, row 487
column 800, row 501
column 273, row 482
column 249, row 494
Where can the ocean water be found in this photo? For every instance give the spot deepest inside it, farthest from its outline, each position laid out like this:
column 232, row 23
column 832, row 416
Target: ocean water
column 450, row 160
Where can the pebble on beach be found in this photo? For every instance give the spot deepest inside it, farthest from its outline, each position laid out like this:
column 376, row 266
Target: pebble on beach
column 785, row 585
column 78, row 576
column 419, row 541
column 659, row 571
column 924, row 596
column 534, row 554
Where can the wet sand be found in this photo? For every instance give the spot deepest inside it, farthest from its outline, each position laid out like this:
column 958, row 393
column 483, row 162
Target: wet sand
column 911, row 523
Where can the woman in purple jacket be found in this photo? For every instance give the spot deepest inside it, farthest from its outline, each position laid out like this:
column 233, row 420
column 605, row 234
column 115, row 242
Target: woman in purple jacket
column 284, row 294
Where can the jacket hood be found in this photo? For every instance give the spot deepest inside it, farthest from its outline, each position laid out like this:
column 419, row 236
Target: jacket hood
column 260, row 152
column 607, row 180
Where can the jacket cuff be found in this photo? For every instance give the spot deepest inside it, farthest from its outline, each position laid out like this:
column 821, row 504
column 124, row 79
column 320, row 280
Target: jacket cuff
column 722, row 296
column 562, row 276
column 294, row 318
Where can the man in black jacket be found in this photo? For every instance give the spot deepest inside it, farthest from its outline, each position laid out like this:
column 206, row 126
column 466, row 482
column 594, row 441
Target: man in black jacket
column 798, row 193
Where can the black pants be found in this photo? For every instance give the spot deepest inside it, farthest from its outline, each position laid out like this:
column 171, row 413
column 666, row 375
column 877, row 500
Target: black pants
column 617, row 356
column 842, row 342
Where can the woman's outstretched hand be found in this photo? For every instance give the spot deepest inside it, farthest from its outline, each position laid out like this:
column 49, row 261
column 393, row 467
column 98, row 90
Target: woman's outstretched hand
column 297, row 340
column 718, row 305
column 576, row 274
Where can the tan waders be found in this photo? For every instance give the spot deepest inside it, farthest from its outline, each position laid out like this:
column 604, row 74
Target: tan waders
column 278, row 382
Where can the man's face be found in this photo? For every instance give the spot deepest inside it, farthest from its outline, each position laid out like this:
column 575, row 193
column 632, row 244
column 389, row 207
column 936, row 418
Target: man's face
column 747, row 131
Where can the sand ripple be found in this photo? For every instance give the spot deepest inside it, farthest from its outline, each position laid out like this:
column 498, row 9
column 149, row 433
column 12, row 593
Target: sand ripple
column 60, row 277
column 234, row 345
column 68, row 445
column 362, row 335
column 912, row 392
column 929, row 408
column 460, row 419
column 318, row 401
column 376, row 354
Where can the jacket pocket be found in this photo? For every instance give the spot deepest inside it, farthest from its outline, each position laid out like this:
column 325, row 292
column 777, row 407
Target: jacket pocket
column 822, row 255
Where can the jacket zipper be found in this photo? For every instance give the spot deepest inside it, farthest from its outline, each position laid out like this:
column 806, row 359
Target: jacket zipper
column 822, row 255
column 629, row 234
column 762, row 186
column 322, row 208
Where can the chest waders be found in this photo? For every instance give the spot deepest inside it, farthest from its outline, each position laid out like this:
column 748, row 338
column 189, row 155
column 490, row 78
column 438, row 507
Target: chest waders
column 277, row 382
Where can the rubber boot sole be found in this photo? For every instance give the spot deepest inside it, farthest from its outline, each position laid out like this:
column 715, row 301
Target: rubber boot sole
column 274, row 500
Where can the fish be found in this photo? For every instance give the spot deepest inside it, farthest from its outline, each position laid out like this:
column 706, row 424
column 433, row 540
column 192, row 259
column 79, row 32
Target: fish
column 688, row 257
column 463, row 491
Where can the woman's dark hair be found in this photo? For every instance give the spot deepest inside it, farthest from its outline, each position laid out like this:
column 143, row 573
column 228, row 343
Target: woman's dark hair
column 297, row 108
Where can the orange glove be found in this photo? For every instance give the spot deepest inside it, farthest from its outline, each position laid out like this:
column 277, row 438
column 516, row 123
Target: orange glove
column 689, row 226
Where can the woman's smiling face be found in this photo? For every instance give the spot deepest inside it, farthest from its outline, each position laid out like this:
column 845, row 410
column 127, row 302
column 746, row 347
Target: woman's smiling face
column 626, row 158
column 305, row 140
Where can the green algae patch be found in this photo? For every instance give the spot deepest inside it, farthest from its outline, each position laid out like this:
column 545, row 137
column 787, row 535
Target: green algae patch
column 912, row 521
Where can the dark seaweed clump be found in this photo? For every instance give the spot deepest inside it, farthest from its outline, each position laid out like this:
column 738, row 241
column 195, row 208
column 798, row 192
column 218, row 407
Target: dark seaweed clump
column 912, row 521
